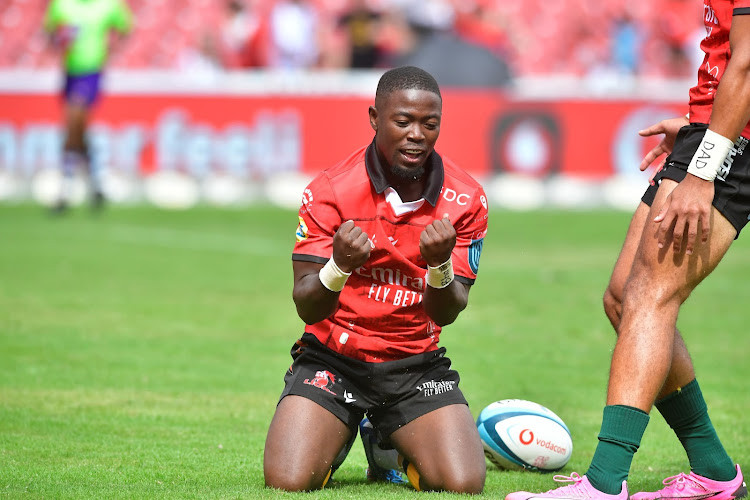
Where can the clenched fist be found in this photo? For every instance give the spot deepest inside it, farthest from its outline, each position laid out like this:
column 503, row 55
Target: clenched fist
column 351, row 247
column 437, row 241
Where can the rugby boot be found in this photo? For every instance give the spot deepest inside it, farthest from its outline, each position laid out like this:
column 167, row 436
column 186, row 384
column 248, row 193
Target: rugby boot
column 694, row 487
column 371, row 445
column 581, row 489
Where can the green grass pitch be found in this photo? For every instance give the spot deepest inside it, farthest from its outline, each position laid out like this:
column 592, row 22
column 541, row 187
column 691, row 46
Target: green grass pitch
column 142, row 352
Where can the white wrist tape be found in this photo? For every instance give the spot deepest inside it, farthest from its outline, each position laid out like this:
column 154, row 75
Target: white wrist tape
column 332, row 276
column 440, row 276
column 710, row 156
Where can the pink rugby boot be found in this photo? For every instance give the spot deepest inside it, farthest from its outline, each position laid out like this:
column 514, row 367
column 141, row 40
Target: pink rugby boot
column 694, row 487
column 581, row 489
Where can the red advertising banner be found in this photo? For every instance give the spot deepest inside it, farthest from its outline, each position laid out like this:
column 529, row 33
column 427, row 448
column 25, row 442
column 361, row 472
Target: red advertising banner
column 256, row 136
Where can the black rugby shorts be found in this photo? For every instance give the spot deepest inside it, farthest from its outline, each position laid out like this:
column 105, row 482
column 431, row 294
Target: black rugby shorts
column 732, row 184
column 392, row 393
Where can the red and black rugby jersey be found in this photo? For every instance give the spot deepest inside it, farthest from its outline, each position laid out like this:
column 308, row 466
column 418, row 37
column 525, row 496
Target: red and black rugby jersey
column 717, row 17
column 380, row 315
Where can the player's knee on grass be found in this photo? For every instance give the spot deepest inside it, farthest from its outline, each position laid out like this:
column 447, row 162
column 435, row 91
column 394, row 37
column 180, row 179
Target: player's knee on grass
column 453, row 477
column 288, row 479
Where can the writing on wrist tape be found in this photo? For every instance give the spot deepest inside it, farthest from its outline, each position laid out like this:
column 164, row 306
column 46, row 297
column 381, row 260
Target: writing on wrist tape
column 709, row 157
column 440, row 276
column 332, row 276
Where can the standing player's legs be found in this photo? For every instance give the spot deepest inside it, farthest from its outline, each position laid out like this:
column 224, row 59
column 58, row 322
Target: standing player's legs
column 80, row 94
column 681, row 370
column 444, row 447
column 659, row 282
column 303, row 441
column 680, row 400
column 74, row 150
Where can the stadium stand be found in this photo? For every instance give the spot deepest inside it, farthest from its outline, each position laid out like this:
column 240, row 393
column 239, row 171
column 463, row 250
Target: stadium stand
column 537, row 37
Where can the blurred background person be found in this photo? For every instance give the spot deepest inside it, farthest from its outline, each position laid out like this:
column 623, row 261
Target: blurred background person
column 431, row 43
column 81, row 29
column 294, row 35
column 625, row 44
column 241, row 35
column 361, row 24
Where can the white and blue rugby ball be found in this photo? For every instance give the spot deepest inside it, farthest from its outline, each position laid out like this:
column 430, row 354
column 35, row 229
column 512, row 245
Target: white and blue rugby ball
column 522, row 435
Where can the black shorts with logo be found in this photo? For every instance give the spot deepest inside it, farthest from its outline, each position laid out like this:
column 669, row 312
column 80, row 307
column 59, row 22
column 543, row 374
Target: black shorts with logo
column 392, row 393
column 732, row 184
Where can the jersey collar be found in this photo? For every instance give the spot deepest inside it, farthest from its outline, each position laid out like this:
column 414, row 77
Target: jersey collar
column 433, row 170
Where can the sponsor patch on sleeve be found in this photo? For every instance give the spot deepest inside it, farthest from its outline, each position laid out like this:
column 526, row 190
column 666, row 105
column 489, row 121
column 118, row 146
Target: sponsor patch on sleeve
column 475, row 251
column 302, row 230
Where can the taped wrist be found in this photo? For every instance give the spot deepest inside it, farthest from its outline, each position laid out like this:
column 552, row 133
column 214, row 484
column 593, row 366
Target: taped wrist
column 709, row 157
column 332, row 277
column 440, row 276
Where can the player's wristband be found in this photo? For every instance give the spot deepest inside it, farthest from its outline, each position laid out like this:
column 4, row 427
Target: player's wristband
column 332, row 276
column 709, row 157
column 440, row 276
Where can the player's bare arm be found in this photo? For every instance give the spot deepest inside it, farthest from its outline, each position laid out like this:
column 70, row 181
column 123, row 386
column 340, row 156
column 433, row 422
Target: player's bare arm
column 688, row 207
column 436, row 243
column 315, row 302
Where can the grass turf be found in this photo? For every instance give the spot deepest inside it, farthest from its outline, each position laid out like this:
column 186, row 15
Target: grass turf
column 142, row 352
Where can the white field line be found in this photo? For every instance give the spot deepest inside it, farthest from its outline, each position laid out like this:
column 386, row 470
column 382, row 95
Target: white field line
column 185, row 239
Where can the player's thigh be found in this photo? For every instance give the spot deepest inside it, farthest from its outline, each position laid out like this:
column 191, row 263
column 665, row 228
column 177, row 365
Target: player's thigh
column 445, row 448
column 676, row 273
column 303, row 440
column 627, row 254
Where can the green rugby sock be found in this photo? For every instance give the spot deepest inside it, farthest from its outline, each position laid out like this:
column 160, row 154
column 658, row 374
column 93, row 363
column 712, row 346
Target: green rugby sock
column 619, row 438
column 686, row 412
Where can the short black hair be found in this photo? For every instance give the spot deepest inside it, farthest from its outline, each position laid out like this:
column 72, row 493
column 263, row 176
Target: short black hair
column 406, row 78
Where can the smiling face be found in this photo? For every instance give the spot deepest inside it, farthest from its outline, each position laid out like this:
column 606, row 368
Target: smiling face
column 407, row 125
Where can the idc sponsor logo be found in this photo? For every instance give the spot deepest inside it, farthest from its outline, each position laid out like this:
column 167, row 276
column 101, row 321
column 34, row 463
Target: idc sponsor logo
column 451, row 195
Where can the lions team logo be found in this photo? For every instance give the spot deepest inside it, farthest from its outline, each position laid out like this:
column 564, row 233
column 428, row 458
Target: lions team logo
column 301, row 230
column 475, row 251
column 323, row 380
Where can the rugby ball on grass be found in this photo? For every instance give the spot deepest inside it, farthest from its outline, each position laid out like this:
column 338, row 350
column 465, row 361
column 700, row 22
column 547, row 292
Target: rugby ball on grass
column 523, row 435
